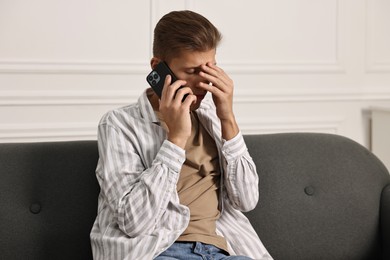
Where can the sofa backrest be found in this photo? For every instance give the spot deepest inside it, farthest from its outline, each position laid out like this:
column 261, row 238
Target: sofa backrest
column 319, row 196
column 48, row 200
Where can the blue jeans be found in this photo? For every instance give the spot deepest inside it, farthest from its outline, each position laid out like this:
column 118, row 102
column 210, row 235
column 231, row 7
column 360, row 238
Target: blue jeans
column 196, row 251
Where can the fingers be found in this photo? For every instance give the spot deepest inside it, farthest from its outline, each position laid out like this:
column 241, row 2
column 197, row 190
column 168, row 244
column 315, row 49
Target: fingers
column 190, row 99
column 215, row 75
column 220, row 85
column 169, row 89
column 174, row 93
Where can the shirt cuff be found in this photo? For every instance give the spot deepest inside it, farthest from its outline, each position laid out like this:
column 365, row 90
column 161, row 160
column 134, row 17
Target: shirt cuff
column 171, row 155
column 234, row 147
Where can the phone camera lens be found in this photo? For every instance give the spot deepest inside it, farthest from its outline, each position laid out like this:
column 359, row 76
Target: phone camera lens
column 150, row 77
column 154, row 82
column 155, row 76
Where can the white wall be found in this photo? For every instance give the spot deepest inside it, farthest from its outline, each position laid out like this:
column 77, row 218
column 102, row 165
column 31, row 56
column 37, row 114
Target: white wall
column 298, row 65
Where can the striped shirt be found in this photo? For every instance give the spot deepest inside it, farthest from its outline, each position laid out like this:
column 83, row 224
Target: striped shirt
column 139, row 212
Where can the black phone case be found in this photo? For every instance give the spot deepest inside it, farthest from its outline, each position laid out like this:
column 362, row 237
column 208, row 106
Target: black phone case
column 156, row 77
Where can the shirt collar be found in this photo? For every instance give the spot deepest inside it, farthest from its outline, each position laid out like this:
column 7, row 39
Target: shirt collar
column 145, row 108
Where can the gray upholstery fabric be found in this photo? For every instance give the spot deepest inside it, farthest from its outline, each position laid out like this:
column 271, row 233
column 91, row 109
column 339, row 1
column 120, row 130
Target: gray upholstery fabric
column 320, row 198
column 48, row 198
column 385, row 221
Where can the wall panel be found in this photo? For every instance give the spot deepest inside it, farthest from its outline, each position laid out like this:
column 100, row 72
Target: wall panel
column 378, row 37
column 275, row 36
column 298, row 66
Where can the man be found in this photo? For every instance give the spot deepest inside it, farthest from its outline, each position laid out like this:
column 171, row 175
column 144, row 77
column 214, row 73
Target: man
column 174, row 171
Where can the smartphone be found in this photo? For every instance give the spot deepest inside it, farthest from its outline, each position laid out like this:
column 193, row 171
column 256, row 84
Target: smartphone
column 156, row 77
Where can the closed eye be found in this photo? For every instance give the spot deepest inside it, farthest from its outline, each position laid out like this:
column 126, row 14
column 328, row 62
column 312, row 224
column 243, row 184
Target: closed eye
column 190, row 71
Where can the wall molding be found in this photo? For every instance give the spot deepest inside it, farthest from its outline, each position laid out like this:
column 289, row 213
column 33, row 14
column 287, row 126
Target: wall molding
column 300, row 124
column 72, row 67
column 372, row 65
column 137, row 68
column 33, row 132
column 282, row 67
column 69, row 98
column 314, row 95
column 378, row 67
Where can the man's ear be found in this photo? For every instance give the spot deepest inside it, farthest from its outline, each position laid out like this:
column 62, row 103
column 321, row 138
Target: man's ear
column 154, row 61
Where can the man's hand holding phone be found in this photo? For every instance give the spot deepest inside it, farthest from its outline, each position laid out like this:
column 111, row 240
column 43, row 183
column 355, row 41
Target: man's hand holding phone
column 174, row 104
column 175, row 111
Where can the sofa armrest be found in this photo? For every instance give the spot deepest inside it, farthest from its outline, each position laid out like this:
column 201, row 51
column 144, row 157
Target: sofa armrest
column 385, row 221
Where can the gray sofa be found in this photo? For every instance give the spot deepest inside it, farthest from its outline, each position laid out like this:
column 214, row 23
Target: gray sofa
column 321, row 197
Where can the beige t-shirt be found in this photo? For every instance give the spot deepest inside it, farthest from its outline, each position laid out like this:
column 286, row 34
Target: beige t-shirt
column 198, row 187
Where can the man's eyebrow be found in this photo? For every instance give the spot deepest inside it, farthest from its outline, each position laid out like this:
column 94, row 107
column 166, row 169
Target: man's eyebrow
column 191, row 67
column 196, row 66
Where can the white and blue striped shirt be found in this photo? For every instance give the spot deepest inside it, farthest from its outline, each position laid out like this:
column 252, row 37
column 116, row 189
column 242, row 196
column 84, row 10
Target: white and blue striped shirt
column 139, row 213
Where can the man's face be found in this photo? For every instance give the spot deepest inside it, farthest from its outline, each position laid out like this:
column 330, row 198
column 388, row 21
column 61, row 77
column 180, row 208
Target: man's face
column 187, row 66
